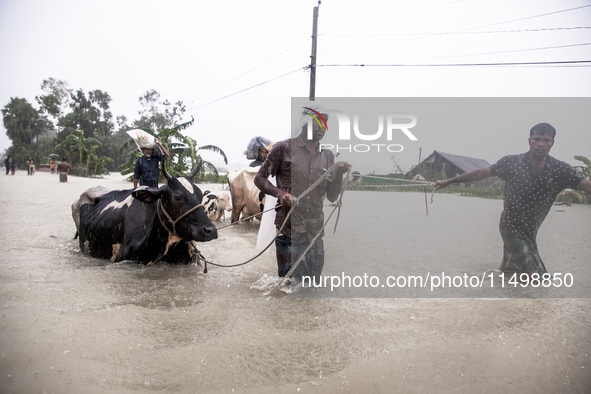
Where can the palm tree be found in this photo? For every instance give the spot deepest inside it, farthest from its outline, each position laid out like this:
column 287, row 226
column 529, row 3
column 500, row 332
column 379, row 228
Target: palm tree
column 183, row 151
column 586, row 169
column 77, row 143
column 96, row 165
column 568, row 195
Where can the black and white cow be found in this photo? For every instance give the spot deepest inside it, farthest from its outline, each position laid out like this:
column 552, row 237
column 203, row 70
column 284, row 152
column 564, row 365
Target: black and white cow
column 145, row 224
column 216, row 205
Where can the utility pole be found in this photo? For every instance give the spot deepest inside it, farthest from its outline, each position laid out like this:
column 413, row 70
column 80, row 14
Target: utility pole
column 313, row 55
column 419, row 166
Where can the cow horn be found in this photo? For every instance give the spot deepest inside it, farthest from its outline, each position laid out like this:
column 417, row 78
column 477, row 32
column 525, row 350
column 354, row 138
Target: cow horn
column 195, row 170
column 166, row 174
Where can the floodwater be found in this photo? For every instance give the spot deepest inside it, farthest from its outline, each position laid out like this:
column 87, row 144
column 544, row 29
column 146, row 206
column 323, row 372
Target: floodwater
column 71, row 323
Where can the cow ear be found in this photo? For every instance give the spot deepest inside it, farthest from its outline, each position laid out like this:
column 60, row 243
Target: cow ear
column 150, row 194
column 211, row 196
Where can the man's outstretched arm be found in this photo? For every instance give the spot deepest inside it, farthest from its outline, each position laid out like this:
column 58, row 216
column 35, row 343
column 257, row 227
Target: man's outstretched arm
column 472, row 176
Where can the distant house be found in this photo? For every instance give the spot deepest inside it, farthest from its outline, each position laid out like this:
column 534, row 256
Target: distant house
column 440, row 165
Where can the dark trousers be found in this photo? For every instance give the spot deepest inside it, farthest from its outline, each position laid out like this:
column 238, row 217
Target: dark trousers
column 290, row 249
column 520, row 256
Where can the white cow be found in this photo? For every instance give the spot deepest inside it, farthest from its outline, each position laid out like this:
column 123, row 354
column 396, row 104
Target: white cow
column 216, row 205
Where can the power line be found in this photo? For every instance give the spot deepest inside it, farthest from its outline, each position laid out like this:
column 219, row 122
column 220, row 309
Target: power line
column 583, row 63
column 459, row 32
column 369, row 20
column 528, row 17
column 564, row 63
column 513, row 51
column 198, row 107
column 253, row 68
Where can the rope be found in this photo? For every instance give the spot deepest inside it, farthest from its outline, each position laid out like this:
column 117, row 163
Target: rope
column 249, row 217
column 395, row 179
column 160, row 207
column 340, row 202
column 295, row 202
column 298, row 261
column 417, row 185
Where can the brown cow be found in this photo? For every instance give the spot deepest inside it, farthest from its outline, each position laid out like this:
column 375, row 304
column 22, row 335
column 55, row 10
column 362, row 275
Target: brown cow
column 247, row 199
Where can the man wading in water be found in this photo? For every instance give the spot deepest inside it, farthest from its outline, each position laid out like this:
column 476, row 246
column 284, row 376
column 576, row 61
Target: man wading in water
column 297, row 163
column 533, row 180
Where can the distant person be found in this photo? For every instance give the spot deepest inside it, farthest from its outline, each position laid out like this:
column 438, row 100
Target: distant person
column 62, row 169
column 147, row 167
column 7, row 164
column 533, row 180
column 52, row 166
column 30, row 166
column 12, row 166
column 257, row 150
column 263, row 152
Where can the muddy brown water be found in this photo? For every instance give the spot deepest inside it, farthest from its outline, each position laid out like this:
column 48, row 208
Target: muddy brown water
column 71, row 323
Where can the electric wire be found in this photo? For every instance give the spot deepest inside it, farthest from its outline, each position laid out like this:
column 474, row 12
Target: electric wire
column 460, row 32
column 567, row 62
column 563, row 63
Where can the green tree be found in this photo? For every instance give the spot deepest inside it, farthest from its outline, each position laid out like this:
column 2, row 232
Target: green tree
column 24, row 127
column 586, row 169
column 569, row 196
column 156, row 114
column 22, row 121
column 184, row 152
column 97, row 165
column 56, row 99
column 90, row 114
column 78, row 149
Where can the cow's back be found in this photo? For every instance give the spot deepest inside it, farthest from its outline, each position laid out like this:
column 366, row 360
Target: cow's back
column 102, row 223
column 88, row 197
column 246, row 197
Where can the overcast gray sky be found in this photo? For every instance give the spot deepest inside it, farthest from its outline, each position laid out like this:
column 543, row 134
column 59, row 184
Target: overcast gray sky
column 236, row 64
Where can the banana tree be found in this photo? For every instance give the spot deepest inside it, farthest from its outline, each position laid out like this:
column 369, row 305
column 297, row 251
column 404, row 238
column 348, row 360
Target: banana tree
column 569, row 196
column 77, row 143
column 586, row 169
column 183, row 150
column 96, row 165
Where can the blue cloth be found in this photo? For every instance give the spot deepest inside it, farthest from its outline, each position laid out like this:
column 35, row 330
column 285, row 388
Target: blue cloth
column 147, row 170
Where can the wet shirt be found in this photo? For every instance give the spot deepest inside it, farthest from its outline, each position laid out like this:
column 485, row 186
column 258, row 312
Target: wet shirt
column 64, row 167
column 296, row 169
column 528, row 197
column 147, row 170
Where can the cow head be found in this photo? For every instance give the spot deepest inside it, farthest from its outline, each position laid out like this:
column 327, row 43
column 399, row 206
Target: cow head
column 178, row 200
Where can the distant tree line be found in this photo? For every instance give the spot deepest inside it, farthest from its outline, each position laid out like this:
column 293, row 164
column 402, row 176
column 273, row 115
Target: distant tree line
column 79, row 125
